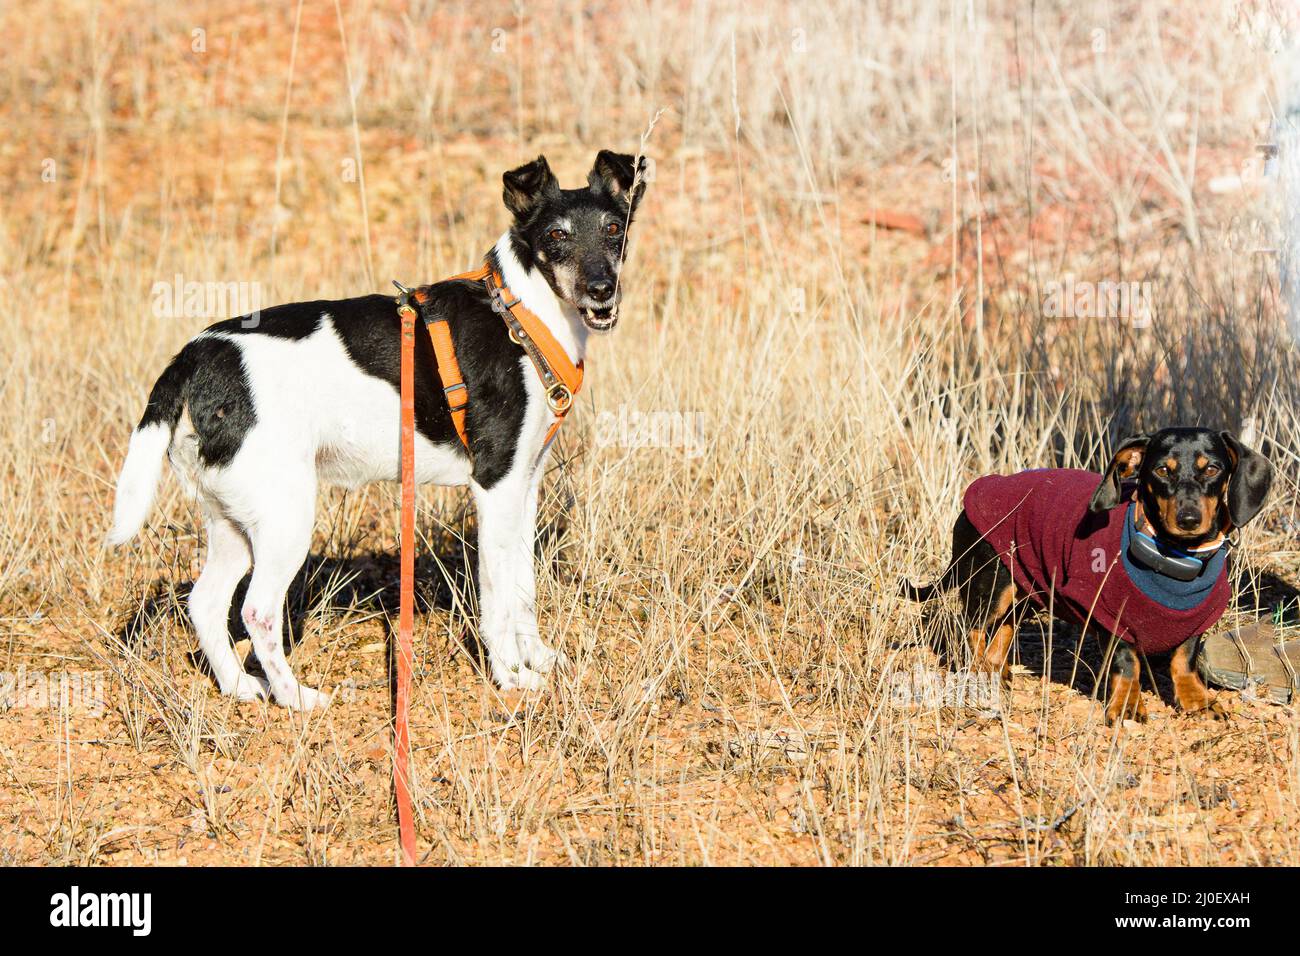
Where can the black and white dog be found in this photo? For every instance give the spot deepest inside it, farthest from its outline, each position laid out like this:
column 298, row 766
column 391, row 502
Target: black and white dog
column 254, row 418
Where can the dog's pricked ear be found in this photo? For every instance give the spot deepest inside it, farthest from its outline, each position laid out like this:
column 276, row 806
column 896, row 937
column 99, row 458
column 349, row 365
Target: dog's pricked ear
column 619, row 175
column 526, row 185
column 1252, row 476
column 1125, row 464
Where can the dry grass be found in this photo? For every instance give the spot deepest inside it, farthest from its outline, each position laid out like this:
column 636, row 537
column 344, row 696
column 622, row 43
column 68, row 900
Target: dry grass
column 731, row 615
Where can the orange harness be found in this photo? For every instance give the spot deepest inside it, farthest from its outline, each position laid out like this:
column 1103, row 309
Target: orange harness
column 560, row 377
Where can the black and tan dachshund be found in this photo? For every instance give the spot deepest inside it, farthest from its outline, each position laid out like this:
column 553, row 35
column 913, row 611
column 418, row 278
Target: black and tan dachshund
column 1139, row 553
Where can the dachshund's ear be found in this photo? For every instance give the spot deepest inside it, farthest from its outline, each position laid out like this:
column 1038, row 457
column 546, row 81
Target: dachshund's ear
column 1125, row 464
column 525, row 185
column 1252, row 476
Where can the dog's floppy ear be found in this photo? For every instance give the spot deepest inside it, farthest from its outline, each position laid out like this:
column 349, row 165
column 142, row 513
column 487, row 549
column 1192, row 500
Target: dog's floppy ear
column 1125, row 464
column 619, row 174
column 1252, row 476
column 526, row 185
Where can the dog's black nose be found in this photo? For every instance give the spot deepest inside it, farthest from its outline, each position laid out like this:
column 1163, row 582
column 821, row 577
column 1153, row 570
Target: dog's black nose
column 1188, row 518
column 600, row 289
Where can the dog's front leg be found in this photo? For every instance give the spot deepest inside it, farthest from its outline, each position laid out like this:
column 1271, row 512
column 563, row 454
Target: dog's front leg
column 536, row 654
column 507, row 515
column 1125, row 694
column 1189, row 690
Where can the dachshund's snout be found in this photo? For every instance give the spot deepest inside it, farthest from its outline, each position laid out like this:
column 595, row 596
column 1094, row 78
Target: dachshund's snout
column 1188, row 518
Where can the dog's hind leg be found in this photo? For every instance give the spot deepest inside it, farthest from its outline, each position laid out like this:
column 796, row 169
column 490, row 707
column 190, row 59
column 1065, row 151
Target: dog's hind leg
column 227, row 562
column 988, row 597
column 281, row 536
column 996, row 655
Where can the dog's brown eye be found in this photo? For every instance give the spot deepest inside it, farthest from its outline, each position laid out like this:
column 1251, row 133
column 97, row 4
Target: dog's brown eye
column 1162, row 471
column 559, row 235
column 613, row 229
column 1211, row 471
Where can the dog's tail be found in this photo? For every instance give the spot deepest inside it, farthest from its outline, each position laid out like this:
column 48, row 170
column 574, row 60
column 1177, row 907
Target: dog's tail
column 923, row 592
column 138, row 482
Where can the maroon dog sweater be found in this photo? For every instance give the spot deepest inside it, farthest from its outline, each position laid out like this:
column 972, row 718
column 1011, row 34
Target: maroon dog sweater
column 1076, row 563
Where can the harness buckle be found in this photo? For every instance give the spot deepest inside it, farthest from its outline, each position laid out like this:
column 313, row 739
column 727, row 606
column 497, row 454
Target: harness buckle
column 403, row 300
column 560, row 399
column 499, row 303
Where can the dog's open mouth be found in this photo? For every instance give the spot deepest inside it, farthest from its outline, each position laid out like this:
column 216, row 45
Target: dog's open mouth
column 600, row 320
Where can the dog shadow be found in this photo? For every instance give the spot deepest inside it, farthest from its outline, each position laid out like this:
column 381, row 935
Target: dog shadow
column 1062, row 653
column 1043, row 646
column 365, row 583
column 1267, row 595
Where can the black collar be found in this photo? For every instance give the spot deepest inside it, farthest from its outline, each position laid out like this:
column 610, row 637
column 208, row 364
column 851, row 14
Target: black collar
column 1153, row 552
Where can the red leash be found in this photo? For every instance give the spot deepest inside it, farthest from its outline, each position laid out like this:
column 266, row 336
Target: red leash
column 561, row 379
column 406, row 613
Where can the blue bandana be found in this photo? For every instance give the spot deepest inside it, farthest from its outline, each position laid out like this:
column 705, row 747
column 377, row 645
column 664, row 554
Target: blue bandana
column 1161, row 588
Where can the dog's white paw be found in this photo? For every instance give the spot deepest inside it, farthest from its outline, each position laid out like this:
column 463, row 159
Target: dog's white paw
column 248, row 687
column 533, row 651
column 242, row 686
column 538, row 657
column 518, row 677
column 530, row 679
column 304, row 698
